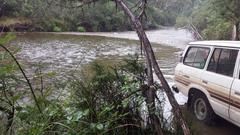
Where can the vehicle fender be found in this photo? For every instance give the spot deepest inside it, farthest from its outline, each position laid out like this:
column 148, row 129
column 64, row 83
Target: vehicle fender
column 199, row 88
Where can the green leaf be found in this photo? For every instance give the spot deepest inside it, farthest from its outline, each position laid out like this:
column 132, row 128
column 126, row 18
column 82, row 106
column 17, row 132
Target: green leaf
column 86, row 112
column 99, row 126
column 77, row 116
column 16, row 97
column 7, row 38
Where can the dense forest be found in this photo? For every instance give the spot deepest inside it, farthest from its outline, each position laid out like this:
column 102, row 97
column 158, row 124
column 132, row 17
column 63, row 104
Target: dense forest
column 41, row 15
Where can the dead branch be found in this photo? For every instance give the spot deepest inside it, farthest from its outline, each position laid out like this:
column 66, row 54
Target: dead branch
column 195, row 32
column 143, row 7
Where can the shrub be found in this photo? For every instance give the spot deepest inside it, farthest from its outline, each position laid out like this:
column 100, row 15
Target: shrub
column 181, row 21
column 219, row 29
column 107, row 102
column 57, row 29
column 81, row 29
column 111, row 98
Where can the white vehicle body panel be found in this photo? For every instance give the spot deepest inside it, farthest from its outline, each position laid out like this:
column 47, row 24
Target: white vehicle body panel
column 223, row 92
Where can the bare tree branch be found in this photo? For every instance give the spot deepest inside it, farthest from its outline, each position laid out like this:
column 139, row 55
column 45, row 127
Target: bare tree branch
column 143, row 7
column 150, row 54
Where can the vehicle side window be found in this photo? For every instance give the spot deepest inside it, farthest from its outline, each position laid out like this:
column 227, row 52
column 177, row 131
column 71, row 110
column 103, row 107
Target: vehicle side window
column 223, row 61
column 212, row 66
column 196, row 57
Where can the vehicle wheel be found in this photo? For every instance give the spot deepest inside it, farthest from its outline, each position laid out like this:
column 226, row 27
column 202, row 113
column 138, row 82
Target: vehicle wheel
column 202, row 109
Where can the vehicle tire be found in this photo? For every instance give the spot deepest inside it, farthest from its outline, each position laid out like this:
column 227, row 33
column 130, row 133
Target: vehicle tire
column 202, row 109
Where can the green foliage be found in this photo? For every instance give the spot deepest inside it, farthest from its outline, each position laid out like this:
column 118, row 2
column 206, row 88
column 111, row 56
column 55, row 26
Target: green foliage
column 10, row 21
column 228, row 9
column 10, row 7
column 101, row 16
column 210, row 23
column 220, row 29
column 8, row 83
column 57, row 29
column 6, row 38
column 7, row 66
column 182, row 21
column 214, row 19
column 110, row 97
column 81, row 29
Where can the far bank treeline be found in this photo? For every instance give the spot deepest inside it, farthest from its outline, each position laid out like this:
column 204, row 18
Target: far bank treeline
column 59, row 15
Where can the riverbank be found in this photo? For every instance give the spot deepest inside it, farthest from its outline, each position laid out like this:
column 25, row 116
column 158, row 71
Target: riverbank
column 167, row 36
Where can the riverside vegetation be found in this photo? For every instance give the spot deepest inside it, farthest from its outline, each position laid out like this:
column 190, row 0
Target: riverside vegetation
column 60, row 15
column 212, row 19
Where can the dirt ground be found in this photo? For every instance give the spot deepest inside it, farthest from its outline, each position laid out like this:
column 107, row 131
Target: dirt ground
column 218, row 127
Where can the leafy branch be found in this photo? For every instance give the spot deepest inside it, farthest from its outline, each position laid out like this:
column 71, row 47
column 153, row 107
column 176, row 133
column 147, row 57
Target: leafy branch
column 25, row 76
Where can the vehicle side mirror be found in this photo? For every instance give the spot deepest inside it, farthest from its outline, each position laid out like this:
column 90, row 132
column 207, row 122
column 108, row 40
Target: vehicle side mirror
column 181, row 57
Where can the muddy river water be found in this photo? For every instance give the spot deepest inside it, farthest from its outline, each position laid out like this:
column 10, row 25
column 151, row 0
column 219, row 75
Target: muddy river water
column 67, row 51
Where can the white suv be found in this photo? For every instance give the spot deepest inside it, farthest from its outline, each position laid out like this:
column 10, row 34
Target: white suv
column 209, row 75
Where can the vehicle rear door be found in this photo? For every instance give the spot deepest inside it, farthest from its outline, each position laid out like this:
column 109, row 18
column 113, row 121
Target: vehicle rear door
column 218, row 79
column 235, row 95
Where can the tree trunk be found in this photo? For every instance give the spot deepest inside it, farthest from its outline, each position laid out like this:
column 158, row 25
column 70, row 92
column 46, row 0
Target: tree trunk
column 149, row 93
column 235, row 32
column 150, row 55
column 150, row 98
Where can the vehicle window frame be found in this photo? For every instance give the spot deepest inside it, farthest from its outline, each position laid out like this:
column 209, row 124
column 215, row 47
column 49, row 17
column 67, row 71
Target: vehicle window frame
column 198, row 47
column 236, row 67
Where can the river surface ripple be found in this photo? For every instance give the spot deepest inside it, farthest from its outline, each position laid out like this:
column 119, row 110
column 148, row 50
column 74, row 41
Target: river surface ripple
column 168, row 36
column 67, row 51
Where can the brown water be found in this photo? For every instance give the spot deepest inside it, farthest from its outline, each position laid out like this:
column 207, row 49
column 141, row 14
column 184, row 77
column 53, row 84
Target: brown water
column 65, row 52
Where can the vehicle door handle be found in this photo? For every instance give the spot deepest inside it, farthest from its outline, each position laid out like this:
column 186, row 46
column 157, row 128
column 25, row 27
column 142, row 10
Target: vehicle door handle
column 237, row 93
column 203, row 81
column 186, row 76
